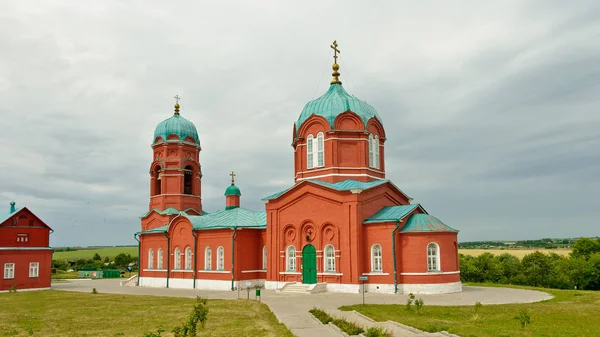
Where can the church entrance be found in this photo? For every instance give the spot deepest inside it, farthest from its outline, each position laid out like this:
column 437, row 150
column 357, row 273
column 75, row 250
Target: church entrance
column 309, row 264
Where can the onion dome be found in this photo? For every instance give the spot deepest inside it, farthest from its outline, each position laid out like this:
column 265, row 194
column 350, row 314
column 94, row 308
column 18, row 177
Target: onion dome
column 178, row 126
column 232, row 189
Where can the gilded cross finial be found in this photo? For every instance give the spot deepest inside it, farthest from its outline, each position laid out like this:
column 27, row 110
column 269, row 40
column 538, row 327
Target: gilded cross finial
column 177, row 104
column 232, row 177
column 335, row 66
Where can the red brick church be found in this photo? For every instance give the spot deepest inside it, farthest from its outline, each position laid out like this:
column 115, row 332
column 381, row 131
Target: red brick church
column 340, row 220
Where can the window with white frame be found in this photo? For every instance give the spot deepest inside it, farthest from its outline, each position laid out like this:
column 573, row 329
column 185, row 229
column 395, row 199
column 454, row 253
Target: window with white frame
column 150, row 258
column 220, row 258
column 188, row 258
column 207, row 259
column 433, row 257
column 159, row 259
column 9, row 271
column 329, row 254
column 376, row 152
column 290, row 254
column 315, row 151
column 376, row 262
column 34, row 269
column 371, row 150
column 264, row 258
column 177, row 259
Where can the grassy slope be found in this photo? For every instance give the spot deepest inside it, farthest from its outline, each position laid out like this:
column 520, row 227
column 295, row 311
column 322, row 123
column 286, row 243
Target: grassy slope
column 570, row 313
column 111, row 252
column 58, row 313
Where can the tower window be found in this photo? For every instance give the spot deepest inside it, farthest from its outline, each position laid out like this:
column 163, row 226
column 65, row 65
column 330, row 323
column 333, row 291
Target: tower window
column 157, row 181
column 315, row 151
column 376, row 151
column 371, row 150
column 309, row 151
column 320, row 150
column 187, row 180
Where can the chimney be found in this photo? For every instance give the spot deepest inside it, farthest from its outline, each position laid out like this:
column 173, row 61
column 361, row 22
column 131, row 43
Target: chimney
column 12, row 207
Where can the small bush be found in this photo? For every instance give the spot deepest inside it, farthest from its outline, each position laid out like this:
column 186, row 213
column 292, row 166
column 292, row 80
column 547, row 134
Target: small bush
column 94, row 291
column 419, row 304
column 478, row 307
column 409, row 301
column 377, row 332
column 152, row 334
column 347, row 327
column 321, row 315
column 197, row 316
column 12, row 289
column 523, row 318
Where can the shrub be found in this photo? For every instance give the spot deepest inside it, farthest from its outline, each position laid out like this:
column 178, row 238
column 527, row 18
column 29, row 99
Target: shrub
column 348, row 327
column 523, row 318
column 321, row 315
column 478, row 307
column 94, row 291
column 13, row 288
column 152, row 334
column 197, row 316
column 409, row 301
column 419, row 304
column 377, row 332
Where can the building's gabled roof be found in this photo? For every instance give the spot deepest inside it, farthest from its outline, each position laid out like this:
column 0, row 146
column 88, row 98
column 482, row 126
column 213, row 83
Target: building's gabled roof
column 425, row 223
column 392, row 213
column 169, row 211
column 160, row 229
column 229, row 218
column 345, row 185
column 5, row 215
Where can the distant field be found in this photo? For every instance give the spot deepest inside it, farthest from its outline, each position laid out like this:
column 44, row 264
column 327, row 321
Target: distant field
column 111, row 252
column 516, row 252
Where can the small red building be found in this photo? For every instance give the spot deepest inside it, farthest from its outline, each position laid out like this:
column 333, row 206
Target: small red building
column 25, row 254
column 341, row 222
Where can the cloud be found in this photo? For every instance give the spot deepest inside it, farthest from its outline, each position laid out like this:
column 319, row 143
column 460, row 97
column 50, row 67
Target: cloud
column 491, row 110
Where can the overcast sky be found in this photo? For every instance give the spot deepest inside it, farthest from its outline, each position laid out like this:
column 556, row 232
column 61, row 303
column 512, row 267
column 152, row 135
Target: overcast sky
column 492, row 109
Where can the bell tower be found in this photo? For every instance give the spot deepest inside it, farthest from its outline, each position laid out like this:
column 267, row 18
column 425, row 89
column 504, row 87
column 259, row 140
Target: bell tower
column 175, row 171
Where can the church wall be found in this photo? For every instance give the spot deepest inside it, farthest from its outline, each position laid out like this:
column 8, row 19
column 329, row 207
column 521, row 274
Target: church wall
column 381, row 234
column 413, row 257
column 155, row 241
column 214, row 239
column 154, row 220
column 248, row 254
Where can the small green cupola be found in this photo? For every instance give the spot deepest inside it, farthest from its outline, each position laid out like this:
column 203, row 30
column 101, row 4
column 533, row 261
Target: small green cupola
column 178, row 126
column 232, row 194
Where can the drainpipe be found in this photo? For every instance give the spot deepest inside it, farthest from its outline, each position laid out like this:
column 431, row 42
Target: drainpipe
column 233, row 257
column 394, row 255
column 137, row 282
column 168, row 256
column 195, row 256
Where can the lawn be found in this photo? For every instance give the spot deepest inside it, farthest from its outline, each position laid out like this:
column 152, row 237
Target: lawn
column 570, row 313
column 61, row 313
column 61, row 274
column 111, row 252
column 516, row 252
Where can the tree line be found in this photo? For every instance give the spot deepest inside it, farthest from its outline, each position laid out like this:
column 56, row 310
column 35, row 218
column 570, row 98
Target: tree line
column 579, row 270
column 121, row 261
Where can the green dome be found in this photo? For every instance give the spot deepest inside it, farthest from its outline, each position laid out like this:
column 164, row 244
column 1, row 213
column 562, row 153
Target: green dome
column 176, row 125
column 232, row 190
column 335, row 102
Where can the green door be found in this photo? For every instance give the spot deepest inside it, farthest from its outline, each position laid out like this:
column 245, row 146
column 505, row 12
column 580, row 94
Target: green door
column 309, row 265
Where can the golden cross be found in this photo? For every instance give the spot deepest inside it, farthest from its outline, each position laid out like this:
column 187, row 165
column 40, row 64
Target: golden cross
column 334, row 46
column 232, row 176
column 176, row 99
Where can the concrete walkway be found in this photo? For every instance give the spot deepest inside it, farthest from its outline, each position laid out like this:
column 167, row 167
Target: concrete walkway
column 292, row 309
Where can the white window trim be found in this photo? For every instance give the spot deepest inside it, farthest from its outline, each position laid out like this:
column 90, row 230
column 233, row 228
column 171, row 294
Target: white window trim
column 220, row 258
column 188, row 258
column 264, row 258
column 371, row 154
column 150, row 258
column 34, row 266
column 313, row 153
column 376, row 156
column 436, row 256
column 9, row 271
column 177, row 259
column 373, row 263
column 289, row 259
column 159, row 258
column 326, row 259
column 207, row 258
column 310, row 155
column 320, row 144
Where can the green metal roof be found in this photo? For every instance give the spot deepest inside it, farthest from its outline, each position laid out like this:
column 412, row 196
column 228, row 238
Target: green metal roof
column 335, row 102
column 160, row 229
column 425, row 223
column 229, row 218
column 176, row 125
column 391, row 213
column 233, row 190
column 344, row 185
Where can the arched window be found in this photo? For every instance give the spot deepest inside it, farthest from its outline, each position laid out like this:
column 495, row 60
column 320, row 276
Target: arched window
column 376, row 264
column 264, row 258
column 207, row 259
column 177, row 259
column 329, row 254
column 160, row 259
column 371, row 159
column 157, row 181
column 150, row 258
column 188, row 258
column 433, row 257
column 320, row 150
column 309, row 152
column 290, row 255
column 188, row 178
column 220, row 258
column 376, row 145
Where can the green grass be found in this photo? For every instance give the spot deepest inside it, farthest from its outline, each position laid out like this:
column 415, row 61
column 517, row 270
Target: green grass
column 569, row 313
column 61, row 274
column 83, row 253
column 61, row 313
